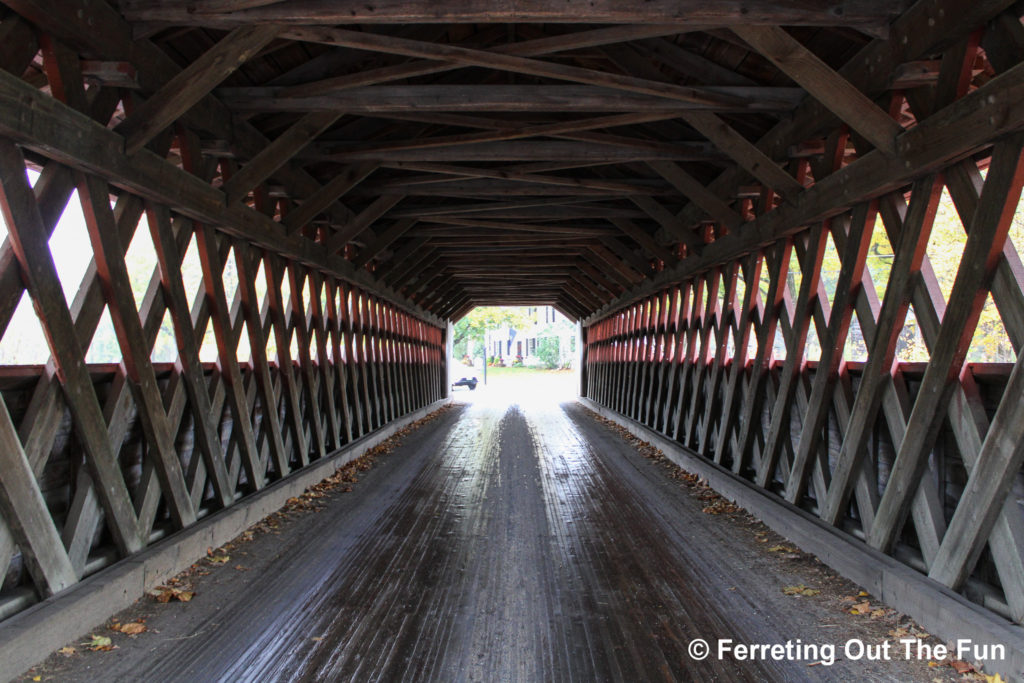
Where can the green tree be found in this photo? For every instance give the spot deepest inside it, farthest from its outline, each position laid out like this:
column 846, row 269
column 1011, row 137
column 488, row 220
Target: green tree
column 483, row 318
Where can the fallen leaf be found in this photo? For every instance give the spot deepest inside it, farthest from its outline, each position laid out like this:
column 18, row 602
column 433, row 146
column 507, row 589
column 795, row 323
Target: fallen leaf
column 184, row 596
column 133, row 628
column 67, row 651
column 994, row 678
column 961, row 667
column 99, row 643
column 781, row 549
column 37, row 678
column 861, row 608
column 862, row 594
column 241, row 568
column 219, row 559
column 800, row 590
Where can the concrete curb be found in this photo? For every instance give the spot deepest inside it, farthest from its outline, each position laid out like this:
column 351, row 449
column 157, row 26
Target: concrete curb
column 30, row 636
column 939, row 610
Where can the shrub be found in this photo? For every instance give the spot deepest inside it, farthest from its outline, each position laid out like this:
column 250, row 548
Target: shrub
column 547, row 352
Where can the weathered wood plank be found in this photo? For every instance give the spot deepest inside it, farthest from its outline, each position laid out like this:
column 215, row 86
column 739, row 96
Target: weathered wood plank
column 227, row 354
column 135, row 353
column 277, row 154
column 690, row 188
column 247, row 266
column 27, row 516
column 274, row 273
column 299, row 323
column 28, row 238
column 828, row 87
column 688, row 14
column 178, row 95
column 985, row 238
column 909, row 255
column 362, row 222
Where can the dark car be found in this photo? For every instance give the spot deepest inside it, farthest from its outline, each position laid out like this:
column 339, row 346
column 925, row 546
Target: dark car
column 470, row 382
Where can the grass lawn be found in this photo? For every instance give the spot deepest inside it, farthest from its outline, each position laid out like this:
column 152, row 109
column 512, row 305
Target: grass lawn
column 520, row 379
column 518, row 371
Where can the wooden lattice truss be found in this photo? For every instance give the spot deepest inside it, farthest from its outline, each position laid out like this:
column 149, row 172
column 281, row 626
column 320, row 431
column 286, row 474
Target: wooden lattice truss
column 921, row 460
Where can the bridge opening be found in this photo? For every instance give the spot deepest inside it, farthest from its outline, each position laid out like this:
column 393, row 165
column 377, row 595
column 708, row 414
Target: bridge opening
column 516, row 349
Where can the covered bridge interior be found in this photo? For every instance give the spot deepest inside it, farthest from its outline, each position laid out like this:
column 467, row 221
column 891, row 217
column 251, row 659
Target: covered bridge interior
column 789, row 232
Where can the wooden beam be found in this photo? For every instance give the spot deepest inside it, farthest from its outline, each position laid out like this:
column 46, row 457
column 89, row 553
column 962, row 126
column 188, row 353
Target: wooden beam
column 690, row 14
column 985, row 238
column 483, row 207
column 178, row 95
column 977, row 117
column 135, row 353
column 645, row 240
column 697, row 193
column 205, row 434
column 27, row 516
column 502, row 174
column 906, row 267
column 691, row 64
column 327, row 195
column 387, row 99
column 525, row 48
column 614, row 269
column 508, row 131
column 28, row 238
column 566, row 152
column 277, row 153
column 382, row 241
column 844, row 100
column 612, row 259
column 638, row 263
column 363, row 221
column 549, row 215
column 60, row 130
column 668, row 221
column 744, row 153
column 523, row 65
column 488, row 187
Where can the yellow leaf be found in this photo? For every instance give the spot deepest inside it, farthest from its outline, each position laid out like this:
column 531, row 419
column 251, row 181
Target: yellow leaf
column 67, row 651
column 134, row 628
column 219, row 559
column 37, row 678
column 184, row 596
column 862, row 594
column 994, row 679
